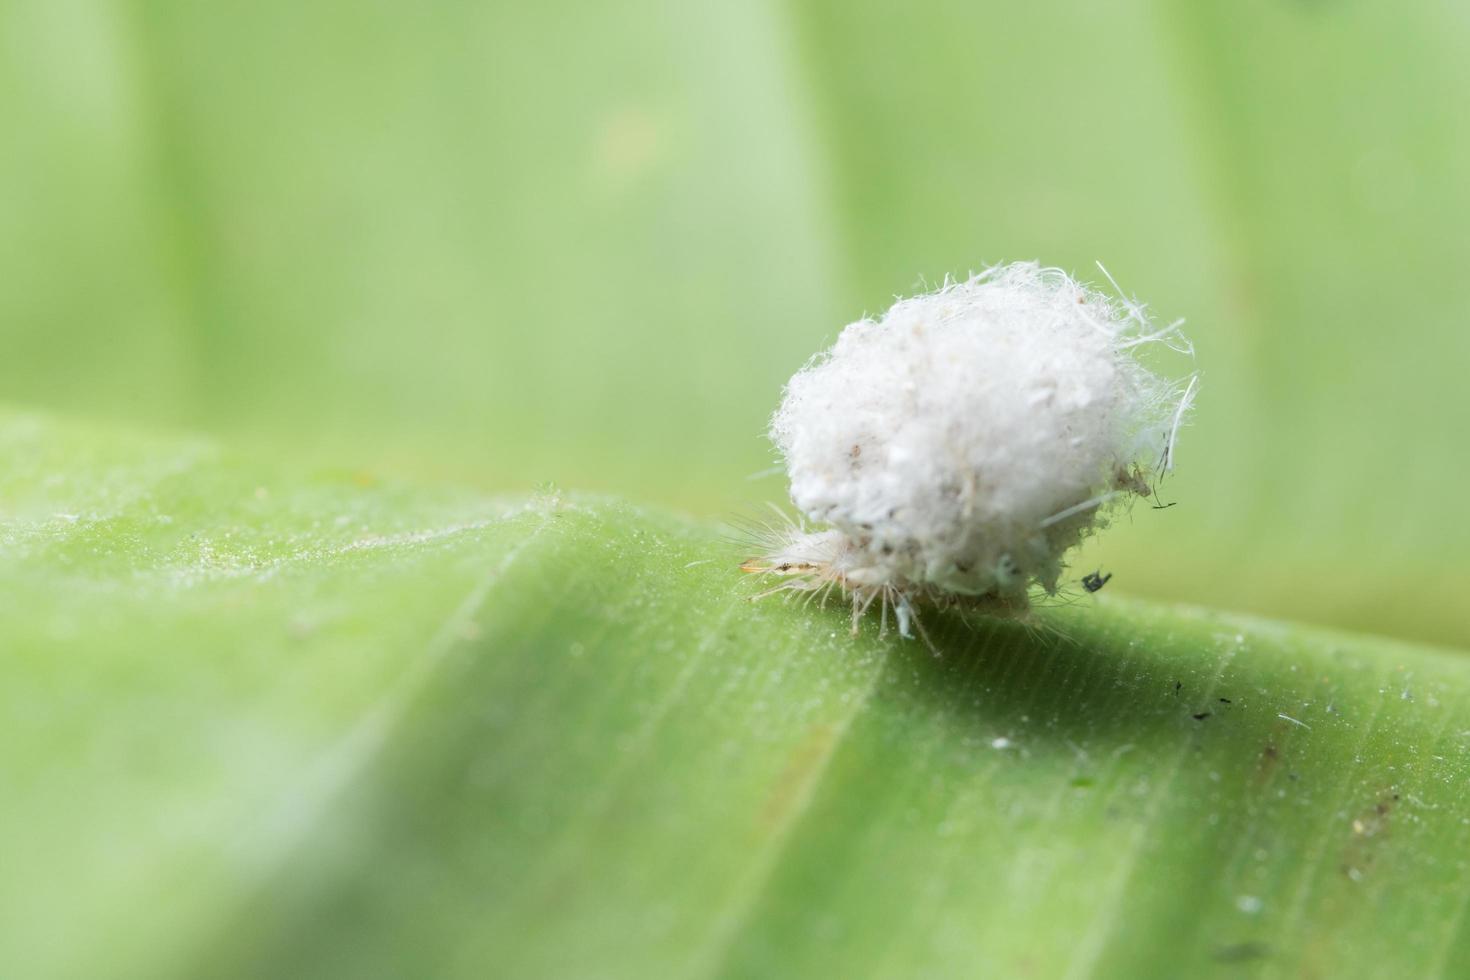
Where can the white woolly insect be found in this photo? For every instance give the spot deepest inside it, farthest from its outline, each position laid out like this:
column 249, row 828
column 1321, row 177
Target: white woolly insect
column 955, row 449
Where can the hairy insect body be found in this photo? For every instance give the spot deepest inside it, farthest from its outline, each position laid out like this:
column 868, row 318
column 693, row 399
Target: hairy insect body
column 954, row 451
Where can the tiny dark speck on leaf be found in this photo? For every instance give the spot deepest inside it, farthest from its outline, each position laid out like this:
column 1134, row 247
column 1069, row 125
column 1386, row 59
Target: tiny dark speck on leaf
column 1202, row 716
column 1177, row 686
column 1224, row 700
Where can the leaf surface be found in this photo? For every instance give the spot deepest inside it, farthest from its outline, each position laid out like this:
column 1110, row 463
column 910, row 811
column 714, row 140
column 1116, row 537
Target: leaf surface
column 262, row 722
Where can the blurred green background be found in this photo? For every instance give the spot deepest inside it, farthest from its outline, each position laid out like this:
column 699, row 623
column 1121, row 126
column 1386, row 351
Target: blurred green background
column 511, row 243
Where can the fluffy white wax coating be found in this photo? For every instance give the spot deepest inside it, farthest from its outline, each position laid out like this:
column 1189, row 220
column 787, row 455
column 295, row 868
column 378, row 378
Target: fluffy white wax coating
column 945, row 439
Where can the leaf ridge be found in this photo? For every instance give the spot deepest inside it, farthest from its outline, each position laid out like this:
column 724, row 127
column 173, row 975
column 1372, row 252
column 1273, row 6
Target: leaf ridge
column 1094, row 942
column 738, row 912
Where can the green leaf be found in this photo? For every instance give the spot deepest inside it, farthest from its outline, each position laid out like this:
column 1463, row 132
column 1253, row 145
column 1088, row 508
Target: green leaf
column 503, row 240
column 270, row 723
